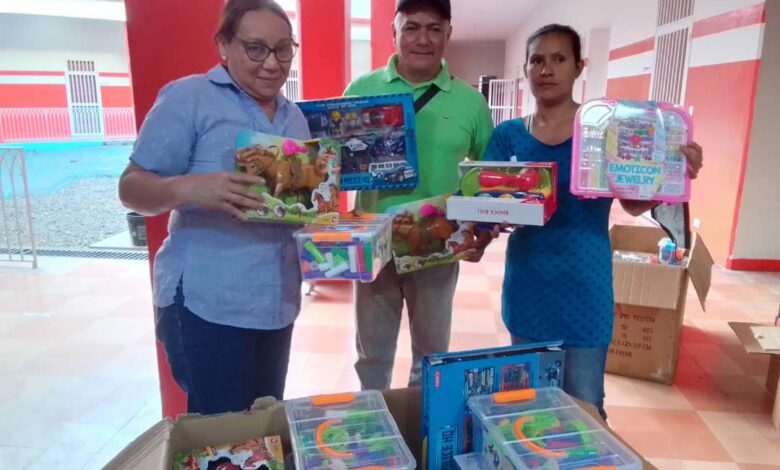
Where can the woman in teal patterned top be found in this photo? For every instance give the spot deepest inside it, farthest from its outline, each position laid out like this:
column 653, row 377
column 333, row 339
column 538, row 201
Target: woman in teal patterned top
column 558, row 278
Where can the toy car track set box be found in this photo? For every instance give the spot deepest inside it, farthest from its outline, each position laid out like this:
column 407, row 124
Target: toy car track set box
column 346, row 431
column 423, row 237
column 512, row 192
column 355, row 249
column 631, row 150
column 247, row 455
column 376, row 133
column 543, row 429
column 650, row 282
column 450, row 379
column 301, row 178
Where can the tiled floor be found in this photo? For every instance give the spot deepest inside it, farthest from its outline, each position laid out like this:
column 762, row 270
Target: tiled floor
column 79, row 377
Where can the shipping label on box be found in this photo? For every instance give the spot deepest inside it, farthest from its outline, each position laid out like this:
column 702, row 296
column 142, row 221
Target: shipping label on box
column 450, row 379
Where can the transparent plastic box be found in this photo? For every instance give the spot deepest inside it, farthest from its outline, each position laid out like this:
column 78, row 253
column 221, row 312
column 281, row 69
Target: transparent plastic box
column 631, row 150
column 355, row 249
column 346, row 431
column 543, row 429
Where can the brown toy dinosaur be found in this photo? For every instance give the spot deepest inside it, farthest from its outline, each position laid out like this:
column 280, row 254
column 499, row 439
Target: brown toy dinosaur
column 423, row 232
column 282, row 175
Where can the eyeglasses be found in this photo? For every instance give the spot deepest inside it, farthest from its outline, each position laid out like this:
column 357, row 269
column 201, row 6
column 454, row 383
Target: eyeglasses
column 259, row 52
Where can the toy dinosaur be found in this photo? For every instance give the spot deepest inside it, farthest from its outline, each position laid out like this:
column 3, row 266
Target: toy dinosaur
column 282, row 175
column 423, row 232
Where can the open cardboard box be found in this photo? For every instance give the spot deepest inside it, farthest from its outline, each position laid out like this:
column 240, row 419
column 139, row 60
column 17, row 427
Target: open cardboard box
column 748, row 339
column 154, row 449
column 650, row 304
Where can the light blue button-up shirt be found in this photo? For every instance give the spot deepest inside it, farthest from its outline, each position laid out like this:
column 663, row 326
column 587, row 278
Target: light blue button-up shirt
column 233, row 273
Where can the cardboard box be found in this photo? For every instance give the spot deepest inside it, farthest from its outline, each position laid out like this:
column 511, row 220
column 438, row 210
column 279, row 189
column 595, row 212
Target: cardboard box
column 748, row 339
column 377, row 137
column 153, row 450
column 650, row 304
column 522, row 193
column 450, row 379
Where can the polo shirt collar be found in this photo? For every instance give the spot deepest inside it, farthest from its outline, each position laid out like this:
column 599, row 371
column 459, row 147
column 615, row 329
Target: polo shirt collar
column 443, row 80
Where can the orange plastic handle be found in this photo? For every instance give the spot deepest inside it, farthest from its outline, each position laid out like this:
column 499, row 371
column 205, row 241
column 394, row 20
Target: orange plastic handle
column 600, row 467
column 334, row 399
column 326, row 449
column 331, row 237
column 350, row 215
column 532, row 445
column 515, row 395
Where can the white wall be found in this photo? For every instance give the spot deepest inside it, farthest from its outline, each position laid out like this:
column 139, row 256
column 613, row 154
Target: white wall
column 361, row 58
column 597, row 54
column 758, row 227
column 46, row 43
column 469, row 60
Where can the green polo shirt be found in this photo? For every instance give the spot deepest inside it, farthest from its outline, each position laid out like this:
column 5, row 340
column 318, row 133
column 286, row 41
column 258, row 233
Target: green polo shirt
column 454, row 125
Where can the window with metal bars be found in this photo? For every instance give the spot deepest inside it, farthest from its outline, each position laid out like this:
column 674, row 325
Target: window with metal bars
column 670, row 11
column 84, row 103
column 671, row 63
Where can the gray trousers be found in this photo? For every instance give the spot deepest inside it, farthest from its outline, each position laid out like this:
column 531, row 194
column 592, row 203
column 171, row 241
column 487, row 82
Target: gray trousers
column 378, row 306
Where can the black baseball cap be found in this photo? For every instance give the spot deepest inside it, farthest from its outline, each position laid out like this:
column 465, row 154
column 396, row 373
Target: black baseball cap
column 442, row 7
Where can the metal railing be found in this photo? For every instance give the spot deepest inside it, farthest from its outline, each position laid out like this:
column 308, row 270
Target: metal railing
column 16, row 227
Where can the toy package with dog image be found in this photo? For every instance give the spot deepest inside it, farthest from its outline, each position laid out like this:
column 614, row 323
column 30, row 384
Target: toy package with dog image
column 423, row 237
column 377, row 137
column 254, row 454
column 301, row 177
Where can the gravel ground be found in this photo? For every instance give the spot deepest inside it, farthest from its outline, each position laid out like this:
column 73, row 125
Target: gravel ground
column 77, row 215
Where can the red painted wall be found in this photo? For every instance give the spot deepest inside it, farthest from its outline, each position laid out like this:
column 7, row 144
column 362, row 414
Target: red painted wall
column 382, row 15
column 33, row 96
column 116, row 96
column 629, row 88
column 722, row 96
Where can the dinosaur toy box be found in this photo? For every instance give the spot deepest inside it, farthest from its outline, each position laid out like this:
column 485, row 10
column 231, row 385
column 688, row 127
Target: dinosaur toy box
column 377, row 137
column 423, row 237
column 301, row 177
column 522, row 193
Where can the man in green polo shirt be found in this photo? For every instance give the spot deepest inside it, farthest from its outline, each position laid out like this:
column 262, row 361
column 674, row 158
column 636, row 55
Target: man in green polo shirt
column 455, row 124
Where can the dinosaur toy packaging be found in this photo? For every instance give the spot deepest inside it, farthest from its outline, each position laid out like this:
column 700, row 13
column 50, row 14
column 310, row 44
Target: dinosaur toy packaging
column 301, row 177
column 423, row 237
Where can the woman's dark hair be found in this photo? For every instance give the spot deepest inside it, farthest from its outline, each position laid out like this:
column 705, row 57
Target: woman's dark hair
column 235, row 10
column 568, row 31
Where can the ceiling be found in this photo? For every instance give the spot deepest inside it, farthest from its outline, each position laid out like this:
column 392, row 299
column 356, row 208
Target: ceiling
column 474, row 20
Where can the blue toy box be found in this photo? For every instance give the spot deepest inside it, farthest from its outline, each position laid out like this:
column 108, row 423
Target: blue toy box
column 377, row 135
column 450, row 379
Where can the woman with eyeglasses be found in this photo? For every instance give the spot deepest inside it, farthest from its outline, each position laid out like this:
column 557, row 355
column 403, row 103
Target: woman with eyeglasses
column 226, row 292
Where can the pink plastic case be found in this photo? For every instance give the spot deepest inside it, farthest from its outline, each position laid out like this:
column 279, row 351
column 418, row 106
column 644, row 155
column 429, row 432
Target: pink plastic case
column 631, row 150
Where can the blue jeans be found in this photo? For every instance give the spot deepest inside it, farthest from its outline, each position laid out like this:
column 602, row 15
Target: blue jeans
column 222, row 368
column 583, row 373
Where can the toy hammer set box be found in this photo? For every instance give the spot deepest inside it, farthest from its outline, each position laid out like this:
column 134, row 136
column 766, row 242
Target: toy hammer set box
column 377, row 138
column 355, row 249
column 543, row 429
column 631, row 150
column 346, row 431
column 523, row 193
column 301, row 177
column 450, row 379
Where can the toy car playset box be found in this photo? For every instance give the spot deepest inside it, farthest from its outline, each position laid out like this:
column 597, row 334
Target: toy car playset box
column 450, row 379
column 423, row 237
column 346, row 431
column 631, row 150
column 522, row 193
column 301, row 177
column 540, row 429
column 377, row 137
column 355, row 249
column 252, row 454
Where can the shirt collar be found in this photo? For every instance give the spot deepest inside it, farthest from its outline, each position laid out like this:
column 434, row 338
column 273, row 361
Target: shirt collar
column 443, row 79
column 219, row 75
